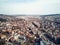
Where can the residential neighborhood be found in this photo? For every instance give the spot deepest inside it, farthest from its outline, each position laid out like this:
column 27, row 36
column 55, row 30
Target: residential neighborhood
column 29, row 30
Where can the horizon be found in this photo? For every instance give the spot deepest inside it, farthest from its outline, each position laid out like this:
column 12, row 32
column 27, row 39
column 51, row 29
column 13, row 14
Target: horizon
column 29, row 15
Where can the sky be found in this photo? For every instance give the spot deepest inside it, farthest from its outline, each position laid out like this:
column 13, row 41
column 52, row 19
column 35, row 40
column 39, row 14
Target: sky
column 29, row 7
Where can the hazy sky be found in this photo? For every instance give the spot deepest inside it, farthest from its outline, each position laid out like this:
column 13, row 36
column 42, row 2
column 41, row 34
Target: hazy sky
column 28, row 7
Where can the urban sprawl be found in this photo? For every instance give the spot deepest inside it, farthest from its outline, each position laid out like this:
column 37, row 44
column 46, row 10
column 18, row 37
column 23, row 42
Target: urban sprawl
column 29, row 30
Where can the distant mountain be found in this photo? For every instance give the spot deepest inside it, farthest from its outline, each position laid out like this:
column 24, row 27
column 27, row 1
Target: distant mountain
column 9, row 17
column 4, row 18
